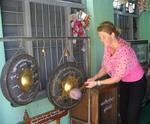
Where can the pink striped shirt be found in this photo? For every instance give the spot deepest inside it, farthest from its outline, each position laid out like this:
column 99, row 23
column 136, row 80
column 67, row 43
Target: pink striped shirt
column 123, row 63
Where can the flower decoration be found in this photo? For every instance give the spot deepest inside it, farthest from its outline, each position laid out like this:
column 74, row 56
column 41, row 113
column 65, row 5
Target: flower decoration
column 79, row 24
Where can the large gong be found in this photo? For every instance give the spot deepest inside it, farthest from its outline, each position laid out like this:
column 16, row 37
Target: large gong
column 20, row 79
column 66, row 77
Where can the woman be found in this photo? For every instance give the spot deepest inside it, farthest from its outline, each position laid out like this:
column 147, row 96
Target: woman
column 121, row 64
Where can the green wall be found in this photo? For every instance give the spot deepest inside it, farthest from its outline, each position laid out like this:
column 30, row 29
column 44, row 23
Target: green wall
column 99, row 10
column 144, row 25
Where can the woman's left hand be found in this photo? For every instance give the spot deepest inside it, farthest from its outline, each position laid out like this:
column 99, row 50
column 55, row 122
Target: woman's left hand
column 90, row 84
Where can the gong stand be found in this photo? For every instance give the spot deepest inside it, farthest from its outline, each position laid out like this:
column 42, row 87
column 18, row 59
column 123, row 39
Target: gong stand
column 44, row 118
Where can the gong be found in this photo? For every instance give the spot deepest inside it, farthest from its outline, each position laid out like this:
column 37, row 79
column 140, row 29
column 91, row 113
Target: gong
column 66, row 77
column 20, row 79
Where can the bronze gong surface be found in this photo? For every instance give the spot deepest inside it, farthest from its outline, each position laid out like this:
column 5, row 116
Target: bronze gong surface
column 66, row 77
column 20, row 79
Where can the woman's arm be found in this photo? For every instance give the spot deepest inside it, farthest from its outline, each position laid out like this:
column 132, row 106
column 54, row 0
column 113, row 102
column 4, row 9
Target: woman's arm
column 112, row 80
column 100, row 74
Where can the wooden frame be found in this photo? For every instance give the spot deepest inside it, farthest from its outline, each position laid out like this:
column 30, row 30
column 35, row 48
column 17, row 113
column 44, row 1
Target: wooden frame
column 74, row 120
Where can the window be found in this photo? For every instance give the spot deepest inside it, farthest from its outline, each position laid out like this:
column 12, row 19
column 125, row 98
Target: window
column 127, row 23
column 46, row 20
column 13, row 24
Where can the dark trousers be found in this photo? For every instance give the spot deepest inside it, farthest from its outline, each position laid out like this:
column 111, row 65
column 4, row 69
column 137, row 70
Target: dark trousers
column 131, row 96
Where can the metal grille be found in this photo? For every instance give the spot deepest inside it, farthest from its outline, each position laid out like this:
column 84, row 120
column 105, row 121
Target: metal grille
column 12, row 12
column 50, row 52
column 128, row 25
column 124, row 25
column 13, row 24
column 74, row 1
column 48, row 39
column 47, row 21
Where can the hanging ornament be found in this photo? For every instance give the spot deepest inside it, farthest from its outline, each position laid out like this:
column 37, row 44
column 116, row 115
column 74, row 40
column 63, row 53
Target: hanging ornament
column 74, row 41
column 85, row 19
column 79, row 24
column 116, row 4
column 66, row 52
column 142, row 5
column 124, row 5
column 78, row 29
column 131, row 7
column 43, row 49
column 84, row 46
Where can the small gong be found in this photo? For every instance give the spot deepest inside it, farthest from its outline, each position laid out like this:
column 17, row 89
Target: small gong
column 20, row 79
column 66, row 77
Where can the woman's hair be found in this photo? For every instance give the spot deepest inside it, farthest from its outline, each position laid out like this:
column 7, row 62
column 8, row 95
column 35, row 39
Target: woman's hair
column 108, row 27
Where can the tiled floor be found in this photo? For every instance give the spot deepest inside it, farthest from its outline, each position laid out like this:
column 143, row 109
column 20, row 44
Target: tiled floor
column 145, row 114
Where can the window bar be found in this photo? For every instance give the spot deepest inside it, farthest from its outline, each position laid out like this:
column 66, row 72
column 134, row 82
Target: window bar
column 11, row 39
column 120, row 24
column 55, row 11
column 17, row 24
column 45, row 63
column 50, row 49
column 38, row 60
column 36, row 33
column 51, row 15
column 88, row 56
column 62, row 43
column 125, row 27
column 126, row 22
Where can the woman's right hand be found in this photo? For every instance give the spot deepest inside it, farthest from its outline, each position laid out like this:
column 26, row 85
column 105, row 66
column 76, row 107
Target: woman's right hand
column 92, row 79
column 90, row 84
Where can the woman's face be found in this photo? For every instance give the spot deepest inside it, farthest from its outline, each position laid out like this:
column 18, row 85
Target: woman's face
column 105, row 38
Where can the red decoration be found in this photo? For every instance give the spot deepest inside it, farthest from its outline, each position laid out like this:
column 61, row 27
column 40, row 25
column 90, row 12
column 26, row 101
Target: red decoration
column 77, row 28
column 79, row 23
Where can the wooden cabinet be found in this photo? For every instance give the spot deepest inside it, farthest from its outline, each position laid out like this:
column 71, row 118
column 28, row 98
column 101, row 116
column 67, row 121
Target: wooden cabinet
column 103, row 107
